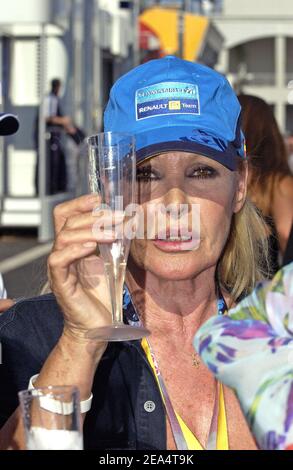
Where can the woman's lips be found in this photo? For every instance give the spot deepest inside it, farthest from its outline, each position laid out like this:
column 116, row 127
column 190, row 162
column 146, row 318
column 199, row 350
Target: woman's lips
column 169, row 245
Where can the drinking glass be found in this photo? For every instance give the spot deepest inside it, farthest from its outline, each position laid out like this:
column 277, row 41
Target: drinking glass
column 112, row 174
column 52, row 418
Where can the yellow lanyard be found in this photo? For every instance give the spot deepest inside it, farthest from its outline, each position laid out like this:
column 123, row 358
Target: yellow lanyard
column 191, row 440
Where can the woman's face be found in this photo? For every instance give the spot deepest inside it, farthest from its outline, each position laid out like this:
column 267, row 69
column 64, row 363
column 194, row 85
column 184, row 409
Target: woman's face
column 202, row 195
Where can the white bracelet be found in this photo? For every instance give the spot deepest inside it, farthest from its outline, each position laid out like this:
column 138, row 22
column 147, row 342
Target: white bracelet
column 55, row 406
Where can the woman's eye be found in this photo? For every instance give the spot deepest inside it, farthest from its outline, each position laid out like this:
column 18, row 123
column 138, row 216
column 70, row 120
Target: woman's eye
column 146, row 174
column 203, row 173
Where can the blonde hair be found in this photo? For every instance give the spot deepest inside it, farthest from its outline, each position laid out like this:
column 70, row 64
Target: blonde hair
column 245, row 259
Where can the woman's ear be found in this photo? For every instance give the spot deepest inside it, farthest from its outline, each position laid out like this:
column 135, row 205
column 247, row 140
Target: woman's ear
column 241, row 187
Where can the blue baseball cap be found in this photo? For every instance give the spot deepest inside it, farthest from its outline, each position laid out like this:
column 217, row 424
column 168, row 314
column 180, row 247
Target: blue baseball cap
column 9, row 124
column 172, row 104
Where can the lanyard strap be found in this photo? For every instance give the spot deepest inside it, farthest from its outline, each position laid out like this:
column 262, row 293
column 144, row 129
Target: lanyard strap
column 174, row 423
column 177, row 432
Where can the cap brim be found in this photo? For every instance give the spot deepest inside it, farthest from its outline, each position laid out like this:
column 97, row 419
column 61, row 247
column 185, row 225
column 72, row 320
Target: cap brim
column 168, row 139
column 9, row 124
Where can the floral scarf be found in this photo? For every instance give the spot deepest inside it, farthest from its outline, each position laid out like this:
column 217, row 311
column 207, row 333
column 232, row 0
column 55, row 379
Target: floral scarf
column 251, row 351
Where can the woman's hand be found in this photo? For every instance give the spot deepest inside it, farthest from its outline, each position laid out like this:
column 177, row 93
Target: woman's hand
column 75, row 271
column 77, row 279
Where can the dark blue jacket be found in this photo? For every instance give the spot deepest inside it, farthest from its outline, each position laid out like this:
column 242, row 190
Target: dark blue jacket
column 123, row 383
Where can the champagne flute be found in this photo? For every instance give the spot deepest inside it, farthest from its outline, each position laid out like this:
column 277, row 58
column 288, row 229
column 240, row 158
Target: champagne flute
column 112, row 174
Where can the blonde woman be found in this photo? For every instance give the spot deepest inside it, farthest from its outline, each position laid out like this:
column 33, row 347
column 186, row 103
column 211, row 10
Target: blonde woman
column 190, row 150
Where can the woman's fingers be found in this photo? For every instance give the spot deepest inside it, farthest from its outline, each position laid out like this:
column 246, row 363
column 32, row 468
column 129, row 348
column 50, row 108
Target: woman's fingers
column 69, row 237
column 59, row 262
column 102, row 227
column 76, row 206
column 89, row 219
column 99, row 234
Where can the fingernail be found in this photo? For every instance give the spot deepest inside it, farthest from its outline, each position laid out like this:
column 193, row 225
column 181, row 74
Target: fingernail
column 98, row 212
column 89, row 244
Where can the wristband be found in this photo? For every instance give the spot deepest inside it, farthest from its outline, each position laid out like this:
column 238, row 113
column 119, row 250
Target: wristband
column 56, row 406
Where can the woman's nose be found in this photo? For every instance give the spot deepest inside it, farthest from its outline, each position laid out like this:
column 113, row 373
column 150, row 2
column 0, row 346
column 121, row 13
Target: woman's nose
column 175, row 197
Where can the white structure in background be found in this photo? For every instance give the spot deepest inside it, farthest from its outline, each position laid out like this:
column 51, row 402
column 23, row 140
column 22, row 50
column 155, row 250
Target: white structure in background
column 258, row 54
column 123, row 31
column 87, row 44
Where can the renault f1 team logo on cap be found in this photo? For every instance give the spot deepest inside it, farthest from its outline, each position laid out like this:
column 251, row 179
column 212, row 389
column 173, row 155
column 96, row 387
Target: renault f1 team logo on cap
column 167, row 98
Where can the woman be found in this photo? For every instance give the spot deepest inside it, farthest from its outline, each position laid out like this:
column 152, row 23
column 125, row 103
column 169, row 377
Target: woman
column 270, row 184
column 190, row 150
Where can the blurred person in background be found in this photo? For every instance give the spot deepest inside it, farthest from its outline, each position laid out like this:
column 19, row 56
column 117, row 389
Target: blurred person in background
column 62, row 165
column 270, row 183
column 8, row 125
column 53, row 111
column 56, row 124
